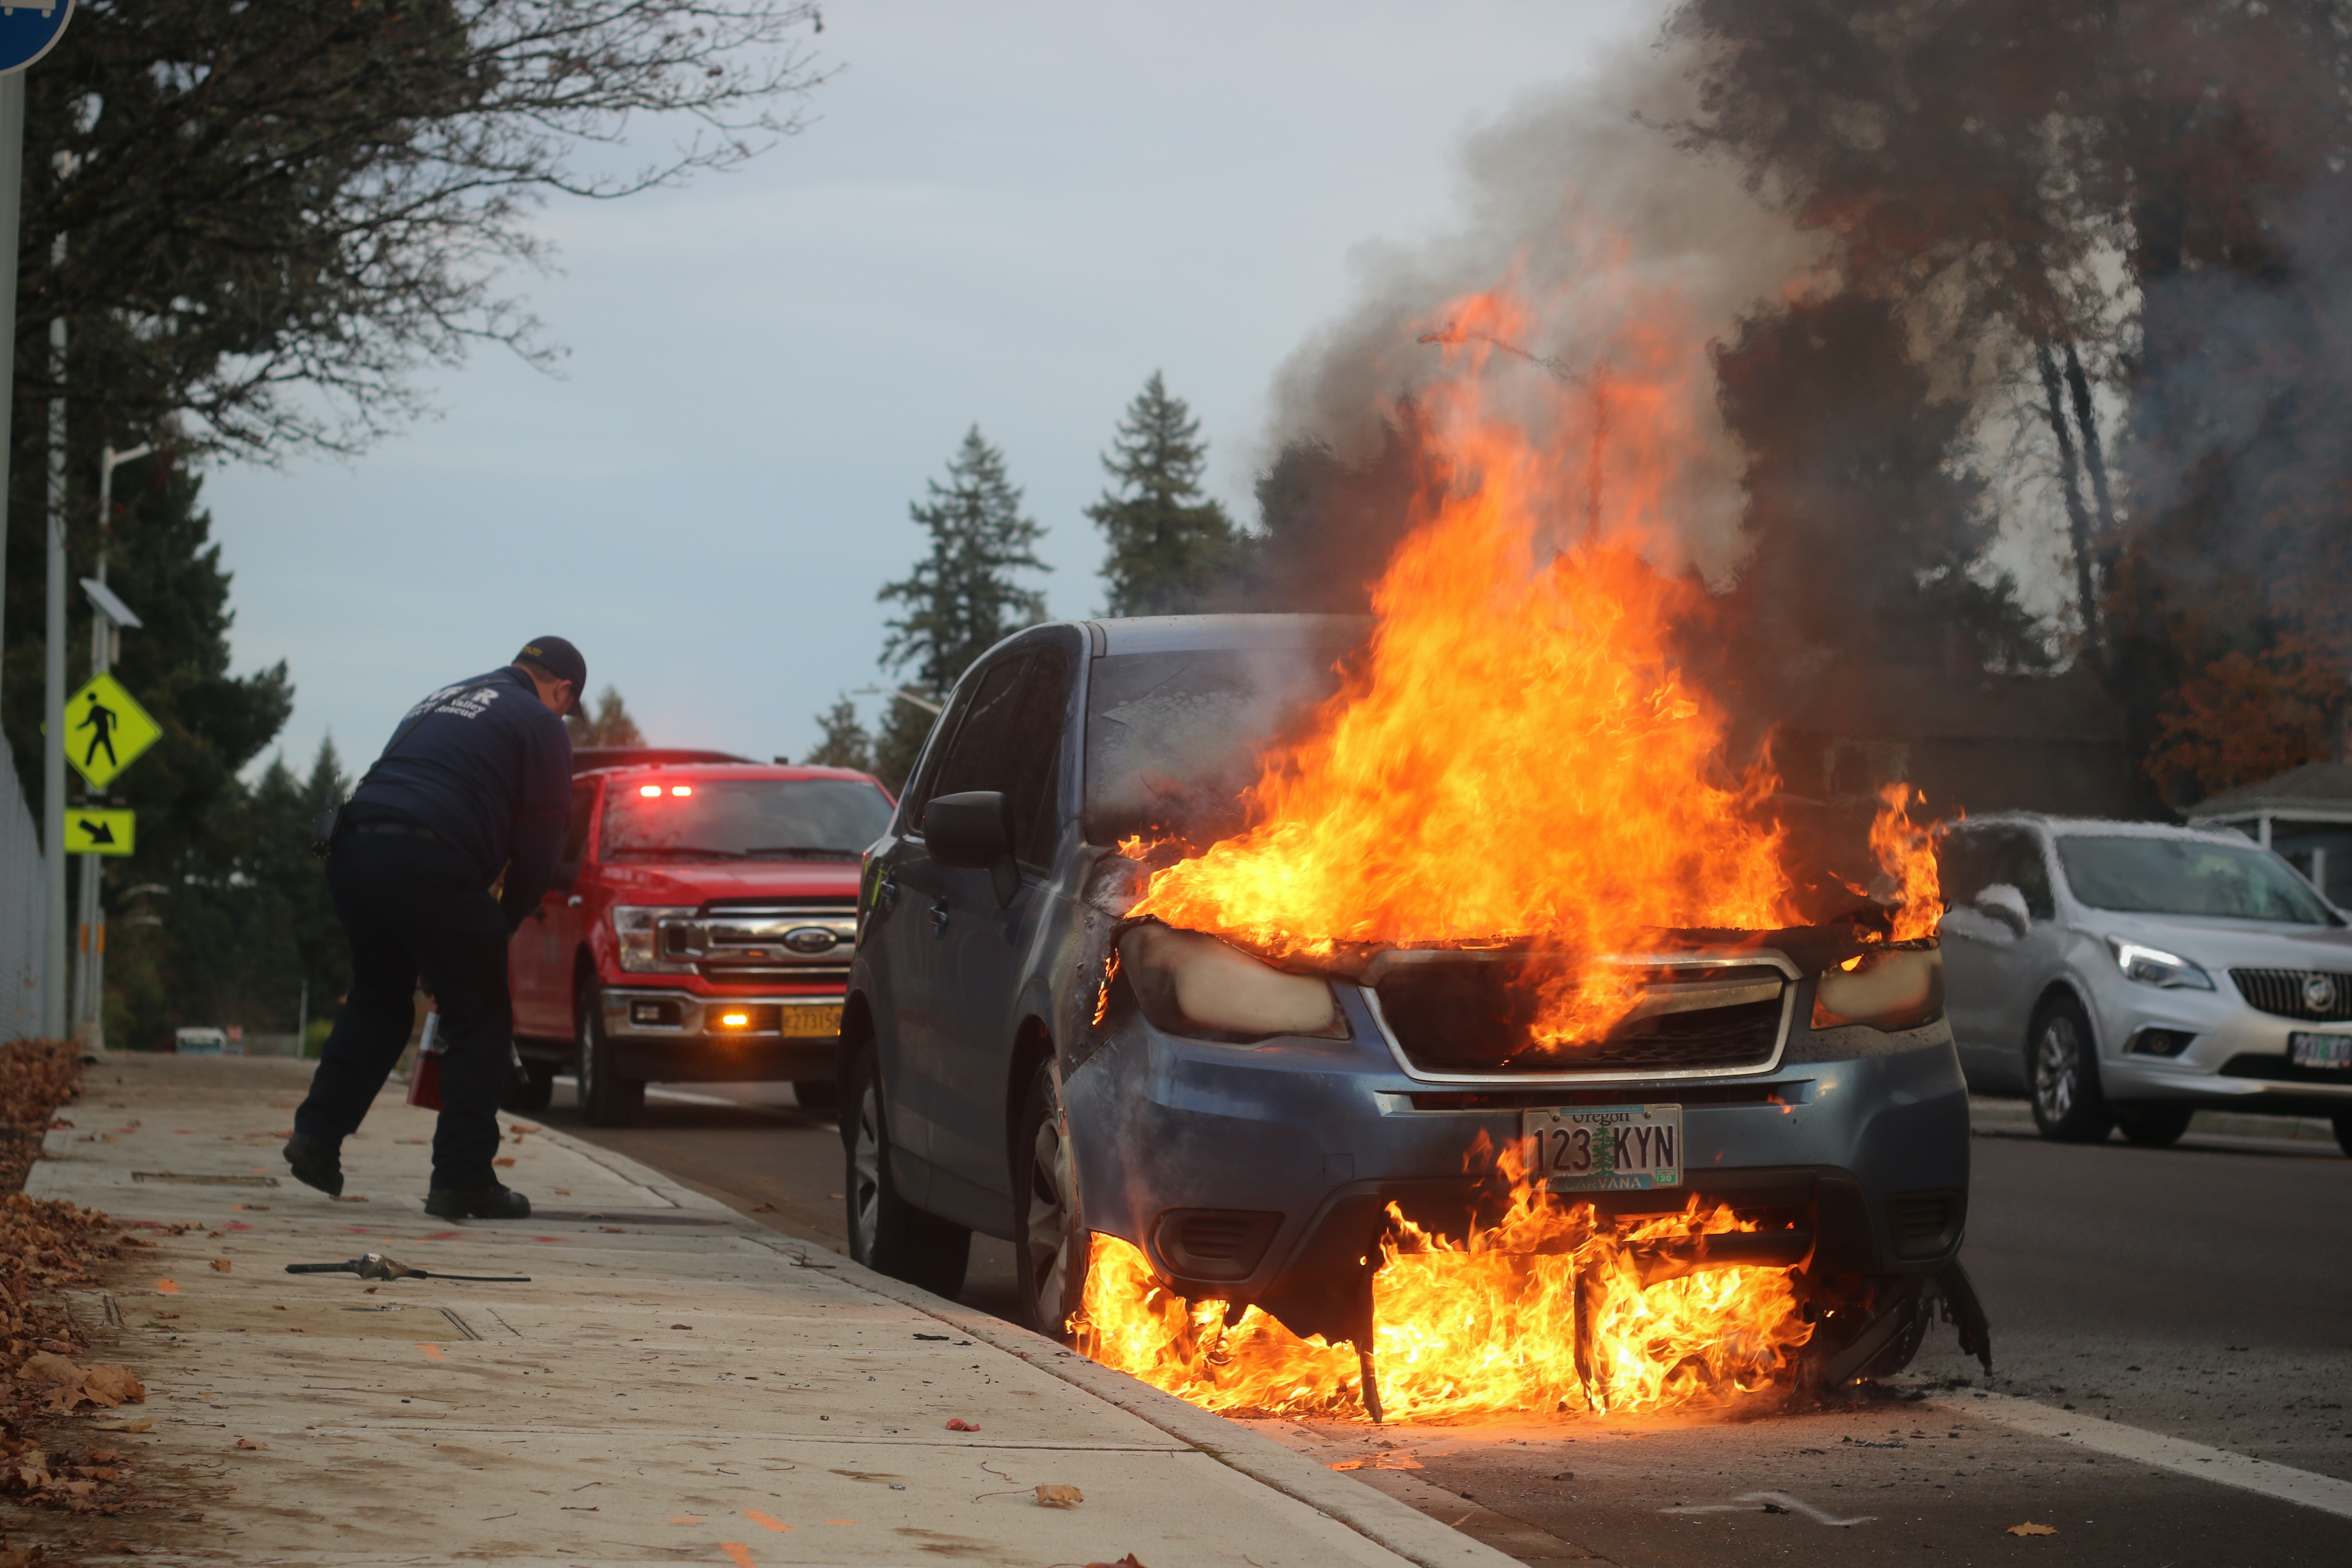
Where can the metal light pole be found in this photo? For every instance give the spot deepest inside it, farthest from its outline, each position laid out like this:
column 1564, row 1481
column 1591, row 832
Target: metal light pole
column 53, row 754
column 12, row 159
column 106, row 621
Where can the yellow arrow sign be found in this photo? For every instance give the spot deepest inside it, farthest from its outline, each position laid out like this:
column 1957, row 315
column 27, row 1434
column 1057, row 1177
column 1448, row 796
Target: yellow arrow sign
column 99, row 832
column 106, row 730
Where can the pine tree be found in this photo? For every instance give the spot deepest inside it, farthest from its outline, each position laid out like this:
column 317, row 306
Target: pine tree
column 961, row 598
column 610, row 726
column 1170, row 547
column 846, row 743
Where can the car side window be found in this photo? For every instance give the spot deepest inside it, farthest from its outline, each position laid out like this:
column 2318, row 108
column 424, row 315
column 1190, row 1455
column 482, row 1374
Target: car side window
column 973, row 757
column 1032, row 757
column 575, row 832
column 1959, row 867
column 2016, row 858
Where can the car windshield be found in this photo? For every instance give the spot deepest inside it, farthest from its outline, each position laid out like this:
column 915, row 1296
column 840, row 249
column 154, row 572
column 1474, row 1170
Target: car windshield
column 743, row 819
column 2186, row 877
column 1174, row 738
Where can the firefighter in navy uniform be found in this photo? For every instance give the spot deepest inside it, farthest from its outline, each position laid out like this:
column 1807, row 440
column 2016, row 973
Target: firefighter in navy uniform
column 476, row 782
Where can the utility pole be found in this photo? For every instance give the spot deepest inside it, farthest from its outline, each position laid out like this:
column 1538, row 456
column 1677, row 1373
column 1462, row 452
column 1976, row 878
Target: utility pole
column 12, row 204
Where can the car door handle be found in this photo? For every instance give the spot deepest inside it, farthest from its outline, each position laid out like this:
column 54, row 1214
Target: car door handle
column 574, row 901
column 940, row 918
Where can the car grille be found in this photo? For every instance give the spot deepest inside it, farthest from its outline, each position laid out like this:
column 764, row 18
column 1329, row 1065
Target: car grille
column 1475, row 1015
column 764, row 941
column 2284, row 993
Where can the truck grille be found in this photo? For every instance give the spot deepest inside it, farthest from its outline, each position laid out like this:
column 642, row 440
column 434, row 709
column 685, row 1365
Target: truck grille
column 2318, row 994
column 804, row 941
column 1475, row 1015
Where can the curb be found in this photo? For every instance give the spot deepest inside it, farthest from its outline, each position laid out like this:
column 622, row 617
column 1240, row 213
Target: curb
column 1379, row 1518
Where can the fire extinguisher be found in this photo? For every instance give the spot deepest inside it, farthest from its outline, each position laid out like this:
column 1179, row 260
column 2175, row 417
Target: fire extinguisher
column 425, row 1078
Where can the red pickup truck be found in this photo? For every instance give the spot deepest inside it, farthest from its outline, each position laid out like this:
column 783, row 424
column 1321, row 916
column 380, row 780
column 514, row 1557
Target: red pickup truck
column 698, row 929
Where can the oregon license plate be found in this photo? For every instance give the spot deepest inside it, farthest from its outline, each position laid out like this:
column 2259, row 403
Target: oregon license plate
column 806, row 1023
column 2319, row 1050
column 1604, row 1148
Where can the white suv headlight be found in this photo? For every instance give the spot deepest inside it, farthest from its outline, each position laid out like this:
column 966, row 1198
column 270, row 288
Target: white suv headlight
column 1194, row 986
column 638, row 929
column 2154, row 966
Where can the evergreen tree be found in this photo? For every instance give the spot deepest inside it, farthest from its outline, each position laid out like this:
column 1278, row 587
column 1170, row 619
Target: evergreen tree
column 610, row 726
column 1170, row 547
column 961, row 598
column 846, row 743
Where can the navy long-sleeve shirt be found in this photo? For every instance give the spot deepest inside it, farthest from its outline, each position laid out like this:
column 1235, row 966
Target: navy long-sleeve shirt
column 489, row 770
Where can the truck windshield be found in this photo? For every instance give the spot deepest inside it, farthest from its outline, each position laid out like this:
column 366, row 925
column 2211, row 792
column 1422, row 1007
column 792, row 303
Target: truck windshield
column 1173, row 738
column 743, row 819
column 2186, row 876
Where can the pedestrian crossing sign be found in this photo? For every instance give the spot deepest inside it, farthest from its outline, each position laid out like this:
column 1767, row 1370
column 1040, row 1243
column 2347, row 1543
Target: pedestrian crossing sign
column 106, row 730
column 108, row 832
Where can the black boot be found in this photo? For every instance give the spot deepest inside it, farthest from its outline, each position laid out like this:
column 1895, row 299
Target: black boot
column 493, row 1202
column 316, row 1162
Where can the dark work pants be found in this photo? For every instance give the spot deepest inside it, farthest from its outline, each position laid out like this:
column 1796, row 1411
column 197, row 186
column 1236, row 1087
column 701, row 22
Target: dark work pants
column 413, row 906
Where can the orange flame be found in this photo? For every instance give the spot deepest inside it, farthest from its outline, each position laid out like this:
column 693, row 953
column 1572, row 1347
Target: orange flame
column 1476, row 1328
column 1907, row 853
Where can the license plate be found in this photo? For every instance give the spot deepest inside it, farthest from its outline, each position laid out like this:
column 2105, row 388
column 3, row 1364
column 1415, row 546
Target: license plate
column 806, row 1023
column 1604, row 1148
column 2319, row 1050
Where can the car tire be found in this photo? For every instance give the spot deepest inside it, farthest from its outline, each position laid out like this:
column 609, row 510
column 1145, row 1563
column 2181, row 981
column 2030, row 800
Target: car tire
column 1050, row 1248
column 2344, row 1132
column 606, row 1098
column 528, row 1094
column 2154, row 1126
column 819, row 1098
column 2062, row 1076
column 887, row 1233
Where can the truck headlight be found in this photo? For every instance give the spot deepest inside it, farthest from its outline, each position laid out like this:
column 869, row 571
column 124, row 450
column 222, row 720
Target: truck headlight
column 2154, row 966
column 636, row 928
column 1887, row 988
column 1195, row 985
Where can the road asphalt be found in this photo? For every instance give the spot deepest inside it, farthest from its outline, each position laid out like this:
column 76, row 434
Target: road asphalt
column 668, row 1383
column 2173, row 1337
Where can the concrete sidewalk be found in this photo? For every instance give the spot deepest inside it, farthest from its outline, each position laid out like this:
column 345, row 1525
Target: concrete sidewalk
column 674, row 1384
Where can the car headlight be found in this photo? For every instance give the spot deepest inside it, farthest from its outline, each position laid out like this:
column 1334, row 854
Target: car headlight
column 1194, row 986
column 1888, row 988
column 2154, row 966
column 638, row 929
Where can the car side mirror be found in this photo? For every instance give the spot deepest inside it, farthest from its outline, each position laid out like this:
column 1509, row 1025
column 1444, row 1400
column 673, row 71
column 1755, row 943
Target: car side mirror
column 2004, row 903
column 973, row 829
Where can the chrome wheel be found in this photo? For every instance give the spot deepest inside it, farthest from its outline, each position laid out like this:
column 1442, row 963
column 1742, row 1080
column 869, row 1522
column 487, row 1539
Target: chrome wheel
column 583, row 1035
column 1047, row 1232
column 2057, row 1067
column 866, row 1176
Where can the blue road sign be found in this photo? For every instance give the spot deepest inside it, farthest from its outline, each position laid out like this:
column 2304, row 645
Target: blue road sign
column 29, row 29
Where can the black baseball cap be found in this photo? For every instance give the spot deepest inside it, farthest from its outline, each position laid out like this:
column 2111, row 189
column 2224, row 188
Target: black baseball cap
column 559, row 659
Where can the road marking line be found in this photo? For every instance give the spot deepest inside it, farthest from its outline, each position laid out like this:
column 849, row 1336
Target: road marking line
column 1750, row 1500
column 2284, row 1482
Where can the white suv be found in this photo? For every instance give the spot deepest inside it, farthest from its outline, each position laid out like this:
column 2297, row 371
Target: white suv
column 2125, row 973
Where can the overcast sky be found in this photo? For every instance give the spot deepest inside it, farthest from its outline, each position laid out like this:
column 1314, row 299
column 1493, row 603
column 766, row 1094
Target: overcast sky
column 1002, row 214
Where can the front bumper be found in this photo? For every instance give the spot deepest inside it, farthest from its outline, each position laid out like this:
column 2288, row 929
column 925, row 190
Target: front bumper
column 2236, row 1054
column 671, row 1036
column 1315, row 1138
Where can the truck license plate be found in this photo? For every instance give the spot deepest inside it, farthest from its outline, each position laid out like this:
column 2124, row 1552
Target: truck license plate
column 1604, row 1148
column 2319, row 1050
column 809, row 1023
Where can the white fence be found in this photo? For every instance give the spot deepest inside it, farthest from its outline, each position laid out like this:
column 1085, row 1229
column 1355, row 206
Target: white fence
column 24, row 909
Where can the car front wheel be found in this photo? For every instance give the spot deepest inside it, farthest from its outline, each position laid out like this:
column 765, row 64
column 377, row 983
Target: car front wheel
column 2154, row 1126
column 887, row 1233
column 606, row 1098
column 1049, row 1245
column 531, row 1090
column 2061, row 1070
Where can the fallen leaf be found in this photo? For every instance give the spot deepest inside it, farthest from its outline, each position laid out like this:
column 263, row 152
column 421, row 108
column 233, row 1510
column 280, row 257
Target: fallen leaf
column 145, row 1424
column 43, row 1367
column 564, row 1192
column 763, row 1208
column 614, row 1230
column 347, row 1198
column 959, row 1424
column 682, row 1325
column 165, row 1287
column 222, row 1266
column 129, row 1240
column 1127, row 1562
column 110, row 1384
column 503, row 1160
column 249, row 1442
column 1059, row 1497
column 2029, row 1528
